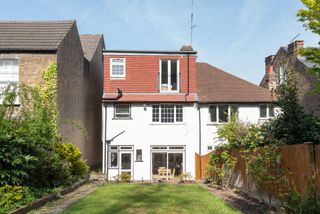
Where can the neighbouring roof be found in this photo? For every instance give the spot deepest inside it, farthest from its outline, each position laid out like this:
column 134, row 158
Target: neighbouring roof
column 149, row 97
column 33, row 35
column 216, row 85
column 306, row 63
column 90, row 43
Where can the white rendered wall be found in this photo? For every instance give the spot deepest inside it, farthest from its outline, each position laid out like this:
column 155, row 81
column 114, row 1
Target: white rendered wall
column 247, row 113
column 141, row 133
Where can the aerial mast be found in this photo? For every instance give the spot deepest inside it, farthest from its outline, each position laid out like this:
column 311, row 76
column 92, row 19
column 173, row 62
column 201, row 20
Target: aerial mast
column 191, row 24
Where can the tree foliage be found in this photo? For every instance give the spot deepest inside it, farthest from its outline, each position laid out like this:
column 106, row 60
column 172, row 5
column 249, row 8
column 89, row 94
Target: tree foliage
column 292, row 125
column 310, row 17
column 29, row 137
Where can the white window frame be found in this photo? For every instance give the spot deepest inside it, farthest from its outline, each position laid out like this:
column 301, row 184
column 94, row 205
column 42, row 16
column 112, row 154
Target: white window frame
column 267, row 112
column 174, row 114
column 116, row 76
column 115, row 113
column 217, row 113
column 7, row 82
column 169, row 75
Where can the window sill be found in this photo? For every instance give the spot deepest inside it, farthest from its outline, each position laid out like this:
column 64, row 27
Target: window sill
column 216, row 124
column 117, row 78
column 138, row 161
column 122, row 118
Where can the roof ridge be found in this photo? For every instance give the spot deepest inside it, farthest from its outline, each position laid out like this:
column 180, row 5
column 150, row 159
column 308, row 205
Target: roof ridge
column 38, row 21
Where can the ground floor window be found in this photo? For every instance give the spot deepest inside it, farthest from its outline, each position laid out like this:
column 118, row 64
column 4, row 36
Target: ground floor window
column 266, row 111
column 167, row 161
column 221, row 113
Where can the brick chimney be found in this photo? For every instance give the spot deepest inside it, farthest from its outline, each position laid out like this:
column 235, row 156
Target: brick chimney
column 186, row 48
column 270, row 78
column 294, row 46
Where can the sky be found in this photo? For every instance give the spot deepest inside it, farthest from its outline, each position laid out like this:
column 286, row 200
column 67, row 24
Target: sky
column 234, row 35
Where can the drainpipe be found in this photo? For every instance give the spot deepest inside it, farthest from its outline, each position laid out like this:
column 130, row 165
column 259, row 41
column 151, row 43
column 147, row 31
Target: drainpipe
column 199, row 110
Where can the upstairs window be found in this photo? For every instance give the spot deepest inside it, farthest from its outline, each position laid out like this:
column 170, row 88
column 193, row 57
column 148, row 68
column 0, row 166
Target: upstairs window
column 221, row 113
column 167, row 113
column 122, row 111
column 117, row 67
column 266, row 111
column 169, row 75
column 9, row 72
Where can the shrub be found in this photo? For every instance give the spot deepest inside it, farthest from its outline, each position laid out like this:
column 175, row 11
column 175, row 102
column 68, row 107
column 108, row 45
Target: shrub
column 14, row 196
column 80, row 168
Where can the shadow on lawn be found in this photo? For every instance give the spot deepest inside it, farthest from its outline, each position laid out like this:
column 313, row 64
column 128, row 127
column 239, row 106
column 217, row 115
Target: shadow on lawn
column 146, row 197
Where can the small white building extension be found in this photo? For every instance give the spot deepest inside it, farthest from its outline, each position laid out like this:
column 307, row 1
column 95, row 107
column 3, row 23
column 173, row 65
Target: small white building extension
column 160, row 108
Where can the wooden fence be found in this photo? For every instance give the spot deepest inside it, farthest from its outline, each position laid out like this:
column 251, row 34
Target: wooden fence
column 297, row 162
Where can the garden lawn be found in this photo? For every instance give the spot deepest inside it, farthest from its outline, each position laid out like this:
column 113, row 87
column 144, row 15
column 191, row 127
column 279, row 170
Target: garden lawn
column 150, row 198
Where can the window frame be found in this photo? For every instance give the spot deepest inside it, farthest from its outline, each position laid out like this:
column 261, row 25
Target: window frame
column 8, row 82
column 174, row 113
column 139, row 156
column 268, row 107
column 121, row 118
column 217, row 107
column 118, row 76
column 169, row 76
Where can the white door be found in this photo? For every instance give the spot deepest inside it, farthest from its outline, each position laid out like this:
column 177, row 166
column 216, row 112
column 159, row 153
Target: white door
column 126, row 163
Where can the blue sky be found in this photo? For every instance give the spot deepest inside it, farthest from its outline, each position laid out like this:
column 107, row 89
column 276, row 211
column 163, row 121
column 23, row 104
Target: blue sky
column 235, row 35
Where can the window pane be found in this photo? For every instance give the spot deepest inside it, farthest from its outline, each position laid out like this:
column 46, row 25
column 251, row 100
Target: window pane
column 122, row 108
column 139, row 154
column 167, row 113
column 213, row 113
column 223, row 113
column 263, row 111
column 174, row 75
column 164, row 74
column 179, row 113
column 113, row 159
column 122, row 111
column 271, row 111
column 155, row 113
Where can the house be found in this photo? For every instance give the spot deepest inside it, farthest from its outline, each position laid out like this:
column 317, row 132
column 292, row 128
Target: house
column 160, row 108
column 287, row 59
column 28, row 47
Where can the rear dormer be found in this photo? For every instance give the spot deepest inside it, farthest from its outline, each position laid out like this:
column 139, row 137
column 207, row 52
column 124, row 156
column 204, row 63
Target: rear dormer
column 150, row 72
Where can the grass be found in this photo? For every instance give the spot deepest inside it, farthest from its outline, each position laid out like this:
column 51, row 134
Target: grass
column 150, row 198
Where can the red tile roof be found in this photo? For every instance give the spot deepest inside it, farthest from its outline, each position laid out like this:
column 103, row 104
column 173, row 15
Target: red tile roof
column 216, row 85
column 149, row 97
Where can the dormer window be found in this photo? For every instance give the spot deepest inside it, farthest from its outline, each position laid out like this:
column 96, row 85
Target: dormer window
column 117, row 67
column 169, row 75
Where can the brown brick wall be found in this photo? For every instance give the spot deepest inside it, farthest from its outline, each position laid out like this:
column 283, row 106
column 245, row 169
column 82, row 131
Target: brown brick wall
column 304, row 80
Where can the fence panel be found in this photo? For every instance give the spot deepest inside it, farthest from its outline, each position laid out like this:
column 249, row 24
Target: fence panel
column 296, row 161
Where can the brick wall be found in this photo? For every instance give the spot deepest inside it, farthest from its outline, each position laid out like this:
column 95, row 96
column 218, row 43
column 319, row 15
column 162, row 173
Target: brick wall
column 142, row 73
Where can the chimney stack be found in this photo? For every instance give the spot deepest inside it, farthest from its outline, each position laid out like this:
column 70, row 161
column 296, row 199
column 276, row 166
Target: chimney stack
column 186, row 48
column 294, row 46
column 268, row 63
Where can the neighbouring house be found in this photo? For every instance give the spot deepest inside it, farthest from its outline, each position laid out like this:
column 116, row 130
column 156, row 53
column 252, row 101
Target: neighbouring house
column 28, row 47
column 160, row 108
column 287, row 59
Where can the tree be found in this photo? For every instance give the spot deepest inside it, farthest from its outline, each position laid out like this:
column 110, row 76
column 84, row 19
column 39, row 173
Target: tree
column 310, row 17
column 293, row 125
